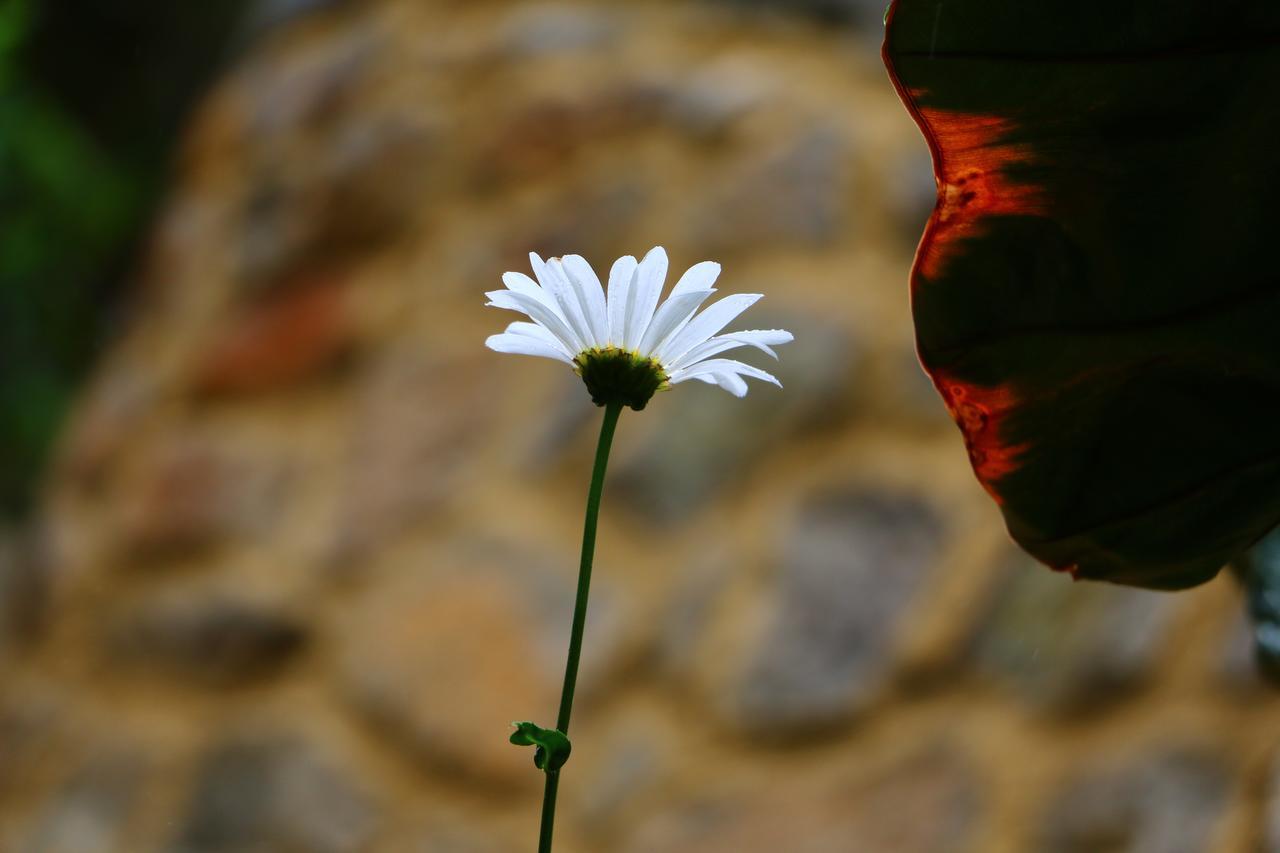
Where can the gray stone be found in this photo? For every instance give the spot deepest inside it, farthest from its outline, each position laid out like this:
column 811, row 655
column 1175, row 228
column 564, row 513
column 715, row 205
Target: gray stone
column 265, row 15
column 330, row 178
column 415, row 420
column 271, row 794
column 455, row 839
column 1064, row 646
column 929, row 803
column 623, row 777
column 33, row 726
column 1237, row 665
column 1168, row 801
column 194, row 492
column 563, row 424
column 1271, row 816
column 24, row 587
column 710, row 100
column 556, row 29
column 865, row 14
column 706, row 438
column 850, row 568
column 584, row 221
column 797, row 194
column 689, row 612
column 214, row 639
column 91, row 812
column 486, row 626
column 910, row 191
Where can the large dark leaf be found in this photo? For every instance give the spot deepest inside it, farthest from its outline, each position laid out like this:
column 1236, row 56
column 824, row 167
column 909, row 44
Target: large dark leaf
column 1097, row 294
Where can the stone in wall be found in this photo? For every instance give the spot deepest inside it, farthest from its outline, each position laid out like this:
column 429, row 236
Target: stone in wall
column 25, row 582
column 704, row 439
column 416, row 418
column 559, row 28
column 438, row 662
column 92, row 810
column 262, row 792
column 278, row 340
column 195, row 490
column 1270, row 840
column 796, row 195
column 1064, row 646
column 205, row 638
column 928, row 802
column 1167, row 800
column 850, row 568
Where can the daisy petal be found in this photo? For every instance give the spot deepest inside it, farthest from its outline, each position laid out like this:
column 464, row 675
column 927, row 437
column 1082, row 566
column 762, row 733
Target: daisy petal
column 722, row 365
column 698, row 277
column 586, row 281
column 538, row 333
column 706, row 324
column 671, row 315
column 521, row 345
column 565, row 296
column 643, row 298
column 581, row 310
column 761, row 339
column 518, row 282
column 539, row 313
column 620, row 276
column 732, row 383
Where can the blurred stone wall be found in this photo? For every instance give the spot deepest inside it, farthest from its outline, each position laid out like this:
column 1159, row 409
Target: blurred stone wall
column 309, row 547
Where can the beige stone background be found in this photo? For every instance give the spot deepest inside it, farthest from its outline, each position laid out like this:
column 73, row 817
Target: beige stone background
column 308, row 547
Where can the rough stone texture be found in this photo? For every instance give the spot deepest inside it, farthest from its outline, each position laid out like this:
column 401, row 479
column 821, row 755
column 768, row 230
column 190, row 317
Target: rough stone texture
column 274, row 793
column 216, row 640
column 712, row 438
column 404, row 450
column 90, row 813
column 24, row 588
column 1066, row 647
column 928, row 803
column 1167, row 801
column 848, row 571
column 491, row 640
column 1270, row 840
column 276, row 342
column 193, row 492
column 796, row 194
column 299, row 492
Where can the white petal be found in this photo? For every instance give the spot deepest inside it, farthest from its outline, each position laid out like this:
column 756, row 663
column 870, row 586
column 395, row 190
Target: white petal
column 518, row 282
column 584, row 278
column 722, row 365
column 705, row 325
column 671, row 315
column 732, row 383
column 540, row 313
column 620, row 276
column 761, row 339
column 521, row 345
column 643, row 298
column 581, row 311
column 570, row 308
column 538, row 333
column 698, row 277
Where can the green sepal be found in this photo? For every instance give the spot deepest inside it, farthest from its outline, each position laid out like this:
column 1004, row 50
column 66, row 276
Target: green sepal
column 553, row 745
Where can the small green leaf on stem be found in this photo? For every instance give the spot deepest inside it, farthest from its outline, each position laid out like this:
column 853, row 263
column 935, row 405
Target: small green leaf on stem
column 553, row 746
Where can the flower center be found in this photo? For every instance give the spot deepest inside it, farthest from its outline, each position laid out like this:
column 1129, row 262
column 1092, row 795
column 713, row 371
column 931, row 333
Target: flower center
column 615, row 375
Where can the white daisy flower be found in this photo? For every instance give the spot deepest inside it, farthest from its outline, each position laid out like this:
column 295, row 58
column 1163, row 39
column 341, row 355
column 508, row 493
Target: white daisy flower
column 626, row 346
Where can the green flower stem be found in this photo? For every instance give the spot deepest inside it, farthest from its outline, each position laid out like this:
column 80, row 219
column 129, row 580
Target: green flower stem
column 611, row 413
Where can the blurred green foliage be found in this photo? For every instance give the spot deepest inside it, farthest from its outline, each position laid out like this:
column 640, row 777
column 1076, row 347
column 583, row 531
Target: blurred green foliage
column 91, row 95
column 65, row 206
